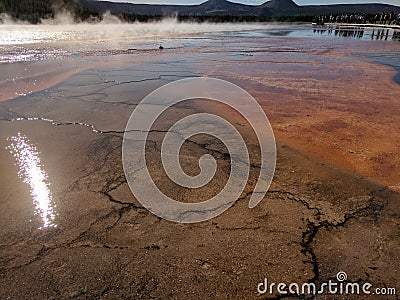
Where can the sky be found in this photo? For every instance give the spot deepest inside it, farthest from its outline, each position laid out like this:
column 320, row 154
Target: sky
column 257, row 2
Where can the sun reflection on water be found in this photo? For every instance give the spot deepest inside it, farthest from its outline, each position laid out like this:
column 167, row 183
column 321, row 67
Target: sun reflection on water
column 32, row 173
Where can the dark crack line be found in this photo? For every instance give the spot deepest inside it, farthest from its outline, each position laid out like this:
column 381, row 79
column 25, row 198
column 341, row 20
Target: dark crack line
column 43, row 251
column 293, row 197
column 99, row 166
column 204, row 146
column 230, row 204
column 313, row 228
column 116, row 83
column 159, row 77
column 238, row 228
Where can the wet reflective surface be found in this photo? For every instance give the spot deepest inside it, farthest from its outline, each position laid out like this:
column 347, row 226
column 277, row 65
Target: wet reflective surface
column 332, row 205
column 390, row 59
column 29, row 43
column 362, row 33
column 31, row 172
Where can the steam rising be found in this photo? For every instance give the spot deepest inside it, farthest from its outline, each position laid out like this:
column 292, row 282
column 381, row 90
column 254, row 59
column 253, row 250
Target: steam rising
column 61, row 37
column 63, row 28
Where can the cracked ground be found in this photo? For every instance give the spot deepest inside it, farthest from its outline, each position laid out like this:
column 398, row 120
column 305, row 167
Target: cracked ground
column 327, row 210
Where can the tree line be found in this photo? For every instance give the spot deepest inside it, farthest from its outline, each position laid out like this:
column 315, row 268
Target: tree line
column 35, row 10
column 130, row 18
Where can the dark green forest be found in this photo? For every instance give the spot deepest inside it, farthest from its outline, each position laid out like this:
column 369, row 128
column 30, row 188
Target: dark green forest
column 35, row 10
column 216, row 18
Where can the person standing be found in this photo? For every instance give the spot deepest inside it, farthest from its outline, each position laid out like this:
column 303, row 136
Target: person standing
column 391, row 17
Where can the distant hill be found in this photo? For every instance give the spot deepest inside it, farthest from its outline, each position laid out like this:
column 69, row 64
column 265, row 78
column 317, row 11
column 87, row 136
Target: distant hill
column 280, row 8
column 219, row 7
column 34, row 10
column 211, row 7
column 274, row 8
